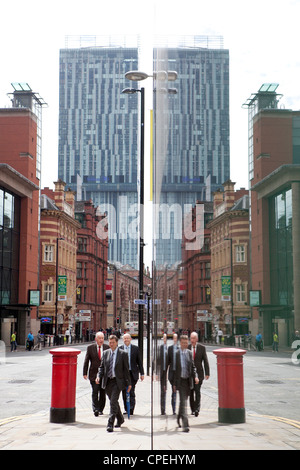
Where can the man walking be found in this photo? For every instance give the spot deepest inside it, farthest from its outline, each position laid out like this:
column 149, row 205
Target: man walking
column 185, row 376
column 115, row 377
column 172, row 350
column 91, row 365
column 163, row 367
column 135, row 368
column 200, row 359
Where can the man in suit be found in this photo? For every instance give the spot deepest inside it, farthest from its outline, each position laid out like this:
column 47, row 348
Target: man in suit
column 114, row 376
column 200, row 358
column 91, row 365
column 135, row 368
column 185, row 376
column 172, row 350
column 163, row 368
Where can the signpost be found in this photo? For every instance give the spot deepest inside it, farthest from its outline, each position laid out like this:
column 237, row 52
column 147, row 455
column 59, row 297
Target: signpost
column 226, row 288
column 62, row 288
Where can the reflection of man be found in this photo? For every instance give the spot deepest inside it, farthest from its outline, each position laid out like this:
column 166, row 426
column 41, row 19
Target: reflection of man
column 163, row 363
column 185, row 376
column 92, row 362
column 172, row 350
column 115, row 377
column 135, row 368
column 200, row 358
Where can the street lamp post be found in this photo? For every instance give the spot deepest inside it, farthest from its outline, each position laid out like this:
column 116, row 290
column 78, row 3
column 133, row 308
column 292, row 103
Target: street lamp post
column 141, row 220
column 56, row 293
column 136, row 75
column 231, row 286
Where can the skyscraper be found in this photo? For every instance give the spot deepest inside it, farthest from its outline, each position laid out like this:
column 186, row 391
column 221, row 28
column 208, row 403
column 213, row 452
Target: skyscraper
column 196, row 161
column 98, row 137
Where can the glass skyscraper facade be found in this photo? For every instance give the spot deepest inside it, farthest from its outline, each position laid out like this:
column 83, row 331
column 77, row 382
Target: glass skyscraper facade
column 98, row 137
column 197, row 149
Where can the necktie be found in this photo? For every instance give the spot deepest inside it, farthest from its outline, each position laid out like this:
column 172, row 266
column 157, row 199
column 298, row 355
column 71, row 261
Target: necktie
column 99, row 353
column 194, row 353
column 111, row 363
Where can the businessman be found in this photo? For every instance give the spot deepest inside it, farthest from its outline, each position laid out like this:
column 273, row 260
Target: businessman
column 200, row 359
column 185, row 376
column 163, row 368
column 136, row 369
column 114, row 376
column 91, row 365
column 172, row 350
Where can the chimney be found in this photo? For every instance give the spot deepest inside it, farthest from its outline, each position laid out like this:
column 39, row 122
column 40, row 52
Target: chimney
column 59, row 194
column 229, row 196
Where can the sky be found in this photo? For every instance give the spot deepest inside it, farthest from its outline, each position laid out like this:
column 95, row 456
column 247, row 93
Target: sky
column 262, row 37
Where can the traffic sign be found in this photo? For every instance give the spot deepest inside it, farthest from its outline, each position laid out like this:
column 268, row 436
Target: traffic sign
column 140, row 302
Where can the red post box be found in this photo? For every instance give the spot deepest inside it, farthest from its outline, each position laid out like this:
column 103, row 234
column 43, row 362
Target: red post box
column 63, row 395
column 230, row 385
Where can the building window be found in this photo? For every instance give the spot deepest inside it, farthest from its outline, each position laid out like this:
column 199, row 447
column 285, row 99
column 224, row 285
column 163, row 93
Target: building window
column 240, row 293
column 49, row 253
column 240, row 253
column 207, row 270
column 79, row 269
column 82, row 244
column 48, row 292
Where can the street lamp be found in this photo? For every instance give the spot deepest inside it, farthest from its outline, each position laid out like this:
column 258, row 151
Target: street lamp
column 56, row 294
column 136, row 75
column 141, row 224
column 231, row 285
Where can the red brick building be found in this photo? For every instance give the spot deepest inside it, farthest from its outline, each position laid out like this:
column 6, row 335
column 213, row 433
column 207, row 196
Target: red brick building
column 92, row 266
column 122, row 289
column 230, row 261
column 58, row 239
column 19, row 216
column 196, row 264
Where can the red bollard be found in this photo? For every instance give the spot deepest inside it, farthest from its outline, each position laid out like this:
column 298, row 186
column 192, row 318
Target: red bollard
column 230, row 385
column 64, row 368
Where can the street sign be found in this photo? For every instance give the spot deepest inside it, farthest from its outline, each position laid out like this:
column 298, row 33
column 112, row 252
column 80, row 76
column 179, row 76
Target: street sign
column 226, row 288
column 62, row 288
column 140, row 302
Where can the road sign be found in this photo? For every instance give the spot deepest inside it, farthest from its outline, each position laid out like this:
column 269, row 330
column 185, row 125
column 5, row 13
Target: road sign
column 62, row 288
column 140, row 302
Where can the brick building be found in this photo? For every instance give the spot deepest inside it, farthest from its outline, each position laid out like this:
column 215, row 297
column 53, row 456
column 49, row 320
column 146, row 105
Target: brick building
column 19, row 216
column 122, row 288
column 196, row 264
column 58, row 248
column 230, row 281
column 92, row 266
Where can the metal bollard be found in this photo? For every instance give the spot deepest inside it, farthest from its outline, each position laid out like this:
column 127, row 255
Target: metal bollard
column 63, row 394
column 230, row 385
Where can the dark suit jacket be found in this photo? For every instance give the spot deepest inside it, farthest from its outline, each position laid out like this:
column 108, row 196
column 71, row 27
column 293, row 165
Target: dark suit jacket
column 121, row 369
column 171, row 372
column 135, row 362
column 163, row 373
column 92, row 361
column 192, row 372
column 200, row 359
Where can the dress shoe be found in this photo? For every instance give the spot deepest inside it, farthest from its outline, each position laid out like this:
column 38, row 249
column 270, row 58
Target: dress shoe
column 119, row 423
column 185, row 430
column 100, row 412
column 96, row 413
column 109, row 429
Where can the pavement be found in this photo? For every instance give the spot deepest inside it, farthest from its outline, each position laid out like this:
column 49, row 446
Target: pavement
column 139, row 433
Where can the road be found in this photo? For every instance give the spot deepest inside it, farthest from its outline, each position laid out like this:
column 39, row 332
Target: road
column 271, row 382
